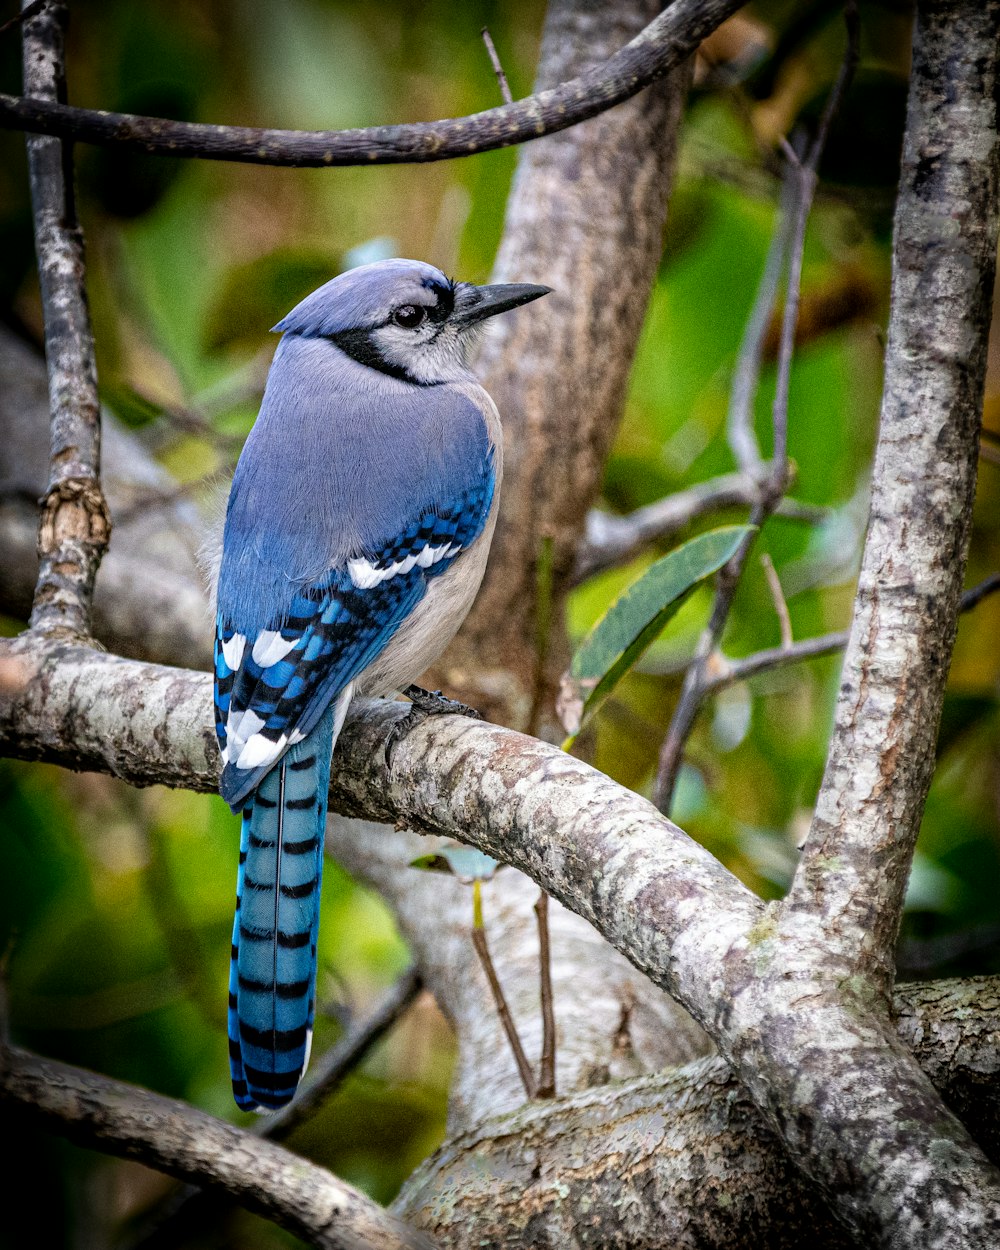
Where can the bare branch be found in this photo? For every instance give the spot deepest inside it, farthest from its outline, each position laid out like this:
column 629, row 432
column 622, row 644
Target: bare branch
column 723, row 671
column 613, row 540
column 547, row 1065
column 175, row 1138
column 666, row 43
column 746, row 374
column 75, row 524
column 778, row 599
column 497, row 67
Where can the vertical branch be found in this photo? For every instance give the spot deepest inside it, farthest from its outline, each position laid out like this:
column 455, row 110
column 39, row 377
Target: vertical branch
column 496, row 989
column 853, row 874
column 547, row 1066
column 75, row 524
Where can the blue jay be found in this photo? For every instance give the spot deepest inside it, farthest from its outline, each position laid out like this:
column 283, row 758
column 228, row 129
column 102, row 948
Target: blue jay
column 356, row 536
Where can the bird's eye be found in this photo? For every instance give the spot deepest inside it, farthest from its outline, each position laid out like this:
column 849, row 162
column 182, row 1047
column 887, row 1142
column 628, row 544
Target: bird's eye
column 409, row 316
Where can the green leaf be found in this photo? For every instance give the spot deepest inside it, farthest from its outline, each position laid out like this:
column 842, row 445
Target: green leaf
column 463, row 862
column 635, row 620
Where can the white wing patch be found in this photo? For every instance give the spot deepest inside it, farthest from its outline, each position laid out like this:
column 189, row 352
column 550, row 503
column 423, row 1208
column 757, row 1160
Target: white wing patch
column 232, row 651
column 365, row 574
column 259, row 751
column 270, row 647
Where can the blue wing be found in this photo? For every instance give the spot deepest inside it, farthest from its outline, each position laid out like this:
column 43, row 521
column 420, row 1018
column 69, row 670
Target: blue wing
column 271, row 689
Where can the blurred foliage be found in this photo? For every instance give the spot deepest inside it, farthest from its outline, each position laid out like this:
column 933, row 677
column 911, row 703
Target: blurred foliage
column 118, row 903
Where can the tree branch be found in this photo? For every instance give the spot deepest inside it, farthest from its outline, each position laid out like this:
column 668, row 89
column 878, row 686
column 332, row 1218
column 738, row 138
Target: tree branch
column 666, row 43
column 613, row 540
column 175, row 1138
column 75, row 524
column 536, row 1176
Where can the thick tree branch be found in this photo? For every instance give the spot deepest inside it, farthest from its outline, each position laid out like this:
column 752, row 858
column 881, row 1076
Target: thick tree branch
column 75, row 524
column 703, row 1170
column 663, row 901
column 856, row 862
column 666, row 43
column 136, row 1124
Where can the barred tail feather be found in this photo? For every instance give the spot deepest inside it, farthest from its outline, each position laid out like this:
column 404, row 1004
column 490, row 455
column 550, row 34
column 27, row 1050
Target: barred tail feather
column 272, row 982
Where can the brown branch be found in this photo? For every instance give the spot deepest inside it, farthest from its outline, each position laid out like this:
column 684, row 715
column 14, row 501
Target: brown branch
column 75, row 523
column 133, row 1123
column 481, row 947
column 666, row 43
column 502, row 82
column 546, row 1087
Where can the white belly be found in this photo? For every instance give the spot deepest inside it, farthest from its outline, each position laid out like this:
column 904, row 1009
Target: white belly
column 433, row 623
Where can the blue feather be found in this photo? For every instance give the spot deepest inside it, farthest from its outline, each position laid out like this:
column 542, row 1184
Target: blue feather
column 272, row 984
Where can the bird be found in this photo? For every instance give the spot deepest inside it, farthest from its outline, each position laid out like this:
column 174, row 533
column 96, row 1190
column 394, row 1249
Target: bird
column 356, row 535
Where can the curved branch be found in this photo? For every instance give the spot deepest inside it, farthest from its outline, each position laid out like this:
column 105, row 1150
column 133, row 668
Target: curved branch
column 658, row 897
column 124, row 1120
column 662, row 46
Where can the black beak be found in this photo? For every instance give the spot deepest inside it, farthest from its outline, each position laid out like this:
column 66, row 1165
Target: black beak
column 476, row 303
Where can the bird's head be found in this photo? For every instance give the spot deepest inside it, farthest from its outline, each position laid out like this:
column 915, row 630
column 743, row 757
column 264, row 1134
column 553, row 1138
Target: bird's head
column 404, row 317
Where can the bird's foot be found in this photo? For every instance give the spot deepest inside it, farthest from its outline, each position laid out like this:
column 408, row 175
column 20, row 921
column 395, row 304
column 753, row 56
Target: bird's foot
column 424, row 703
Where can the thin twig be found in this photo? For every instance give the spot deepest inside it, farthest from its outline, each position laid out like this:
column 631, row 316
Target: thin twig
column 497, row 67
column 746, row 374
column 503, row 1011
column 543, row 632
column 803, row 183
column 778, row 599
column 546, row 1087
column 75, row 524
column 29, row 11
column 976, row 594
column 665, row 43
column 723, row 671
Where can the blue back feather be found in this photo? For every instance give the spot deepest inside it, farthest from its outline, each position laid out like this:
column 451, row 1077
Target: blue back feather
column 303, row 498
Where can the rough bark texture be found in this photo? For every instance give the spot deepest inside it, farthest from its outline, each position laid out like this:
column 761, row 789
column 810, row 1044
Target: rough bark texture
column 682, row 1158
column 75, row 524
column 585, row 216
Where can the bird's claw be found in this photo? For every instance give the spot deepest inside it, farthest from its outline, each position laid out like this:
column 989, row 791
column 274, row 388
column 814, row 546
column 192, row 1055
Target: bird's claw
column 424, row 703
